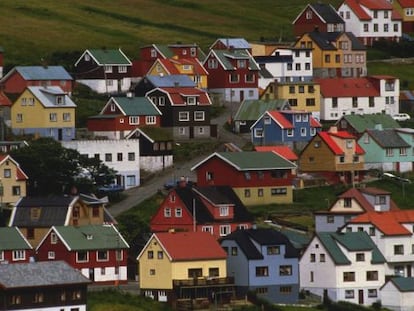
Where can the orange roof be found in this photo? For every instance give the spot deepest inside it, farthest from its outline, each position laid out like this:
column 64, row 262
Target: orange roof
column 181, row 246
column 389, row 223
column 376, row 4
column 314, row 122
column 283, row 151
column 169, row 66
column 279, row 118
column 326, row 137
column 406, row 3
column 347, row 87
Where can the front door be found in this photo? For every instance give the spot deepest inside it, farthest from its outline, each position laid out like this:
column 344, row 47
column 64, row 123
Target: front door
column 409, row 267
column 91, row 274
column 60, row 134
column 361, row 297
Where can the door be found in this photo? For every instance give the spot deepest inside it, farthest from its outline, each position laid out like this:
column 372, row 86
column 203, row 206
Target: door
column 91, row 274
column 361, row 297
column 409, row 274
column 60, row 134
column 241, row 96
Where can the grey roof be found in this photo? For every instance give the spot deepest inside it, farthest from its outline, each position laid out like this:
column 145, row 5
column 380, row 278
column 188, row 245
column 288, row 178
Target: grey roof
column 47, row 96
column 252, row 109
column 328, row 13
column 325, row 40
column 46, row 273
column 43, row 72
column 388, row 138
column 264, row 73
column 235, row 43
column 171, row 81
column 224, row 57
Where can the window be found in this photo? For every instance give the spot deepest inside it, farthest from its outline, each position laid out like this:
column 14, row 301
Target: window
column 247, row 193
column 403, row 151
column 249, row 78
column 360, row 257
column 273, row 250
column 290, row 132
column 385, row 27
column 372, row 275
column 330, row 219
column 349, row 294
column 354, row 102
column 213, row 272
column 366, row 27
column 212, row 63
column 207, row 229
column 322, row 257
column 152, row 271
column 347, row 202
column 76, row 295
column 53, row 238
column 341, row 159
column 278, row 191
column 66, row 117
column 291, row 90
column 150, row 120
column 108, row 69
column 297, row 66
column 349, row 276
column 184, row 116
column 95, row 211
column 131, row 180
column 52, row 117
column 19, row 117
column 160, row 254
column 334, row 102
column 51, row 255
column 327, row 58
column 122, row 69
column 30, row 235
column 303, row 131
column 234, row 251
column 372, row 293
column 178, row 213
column 60, row 100
column 38, row 298
column 395, row 27
column 375, row 27
column 293, row 102
column 167, row 212
column 289, row 66
column 285, row 270
column 337, row 58
column 7, row 173
column 224, row 211
column 133, row 120
column 371, row 231
column 261, row 290
column 234, row 78
column 198, row 115
column 389, row 152
column 262, row 271
column 108, row 157
column 195, row 273
column 131, row 156
column 119, row 156
column 209, row 175
column 301, row 89
column 150, row 254
column 191, row 100
column 161, row 101
column 260, row 192
column 312, row 257
column 225, row 230
column 310, row 102
column 308, row 14
column 102, row 256
column 82, row 256
column 399, row 249
column 285, row 289
column 19, row 255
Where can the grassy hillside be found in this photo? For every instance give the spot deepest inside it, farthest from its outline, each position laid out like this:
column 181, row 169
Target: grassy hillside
column 31, row 30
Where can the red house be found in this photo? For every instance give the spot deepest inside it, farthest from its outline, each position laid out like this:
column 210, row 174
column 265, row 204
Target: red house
column 256, row 177
column 98, row 251
column 20, row 77
column 14, row 248
column 121, row 115
column 214, row 209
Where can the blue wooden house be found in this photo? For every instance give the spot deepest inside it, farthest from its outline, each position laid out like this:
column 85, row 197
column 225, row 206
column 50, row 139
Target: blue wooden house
column 288, row 127
column 263, row 261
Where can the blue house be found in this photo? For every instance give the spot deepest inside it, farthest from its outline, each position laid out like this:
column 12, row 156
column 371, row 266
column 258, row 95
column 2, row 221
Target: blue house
column 288, row 127
column 263, row 261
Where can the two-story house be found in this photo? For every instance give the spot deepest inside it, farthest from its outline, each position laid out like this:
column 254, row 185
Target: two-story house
column 263, row 261
column 406, row 10
column 98, row 251
column 13, row 181
column 44, row 112
column 104, row 70
column 343, row 267
column 289, row 127
column 121, row 115
column 214, row 209
column 190, row 266
column 335, row 155
column 256, row 177
column 14, row 247
column 185, row 111
column 370, row 21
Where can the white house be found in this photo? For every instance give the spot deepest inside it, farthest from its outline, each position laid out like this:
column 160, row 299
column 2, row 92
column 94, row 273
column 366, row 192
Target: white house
column 364, row 95
column 343, row 266
column 371, row 20
column 398, row 294
column 120, row 155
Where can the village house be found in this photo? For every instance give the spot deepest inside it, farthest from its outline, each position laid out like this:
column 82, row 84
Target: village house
column 13, row 181
column 14, row 247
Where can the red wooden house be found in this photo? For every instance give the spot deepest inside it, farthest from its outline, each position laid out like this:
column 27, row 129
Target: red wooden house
column 20, row 77
column 214, row 209
column 256, row 177
column 14, row 248
column 98, row 251
column 121, row 115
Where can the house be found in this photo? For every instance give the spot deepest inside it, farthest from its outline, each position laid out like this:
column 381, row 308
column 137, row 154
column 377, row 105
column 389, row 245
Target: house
column 386, row 150
column 8, row 145
column 214, row 209
column 343, row 267
column 232, row 74
column 319, row 16
column 44, row 112
column 21, row 77
column 121, row 155
column 406, row 10
column 335, row 54
column 371, row 21
column 397, row 294
column 303, row 95
column 185, row 111
column 289, row 127
column 51, row 286
column 148, row 83
column 190, row 266
column 99, row 251
column 104, row 70
column 335, row 155
column 265, row 262
column 392, row 233
column 250, row 110
column 34, row 216
column 13, row 181
column 350, row 204
column 356, row 124
column 256, row 177
column 191, row 67
column 14, row 247
column 365, row 95
column 121, row 115
column 155, row 148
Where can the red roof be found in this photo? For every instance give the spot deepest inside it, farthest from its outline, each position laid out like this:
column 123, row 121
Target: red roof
column 326, row 137
column 283, row 151
column 169, row 66
column 348, row 87
column 356, row 8
column 178, row 95
column 406, row 3
column 4, row 100
column 389, row 223
column 314, row 122
column 279, row 118
column 182, row 246
column 376, row 4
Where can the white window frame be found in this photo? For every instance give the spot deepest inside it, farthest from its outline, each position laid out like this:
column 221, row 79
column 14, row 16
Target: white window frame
column 199, row 115
column 51, row 255
column 108, row 68
column 225, row 230
column 103, row 251
column 19, row 117
column 207, row 229
column 53, row 117
column 303, row 131
column 183, row 116
column 66, row 117
column 224, row 211
column 150, row 120
column 122, row 69
column 167, row 212
column 258, row 132
column 191, row 100
column 178, row 212
column 133, row 120
column 1, row 255
column 290, row 132
column 87, row 257
column 19, row 255
column 53, row 238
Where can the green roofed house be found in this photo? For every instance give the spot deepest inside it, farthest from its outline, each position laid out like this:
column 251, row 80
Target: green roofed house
column 14, row 248
column 344, row 267
column 398, row 294
column 105, row 71
column 251, row 110
column 256, row 177
column 122, row 115
column 98, row 251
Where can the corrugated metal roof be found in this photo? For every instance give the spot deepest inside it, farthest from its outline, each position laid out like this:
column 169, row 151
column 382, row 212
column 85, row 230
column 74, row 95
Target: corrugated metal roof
column 137, row 106
column 47, row 96
column 43, row 72
column 12, row 239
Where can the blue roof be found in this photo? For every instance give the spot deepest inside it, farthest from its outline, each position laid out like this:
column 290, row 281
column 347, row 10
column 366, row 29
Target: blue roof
column 43, row 72
column 171, row 81
column 235, row 43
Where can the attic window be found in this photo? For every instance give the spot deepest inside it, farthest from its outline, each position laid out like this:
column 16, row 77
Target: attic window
column 60, row 100
column 267, row 120
column 308, row 14
column 89, row 237
column 87, row 57
column 191, row 100
column 187, row 67
column 35, row 213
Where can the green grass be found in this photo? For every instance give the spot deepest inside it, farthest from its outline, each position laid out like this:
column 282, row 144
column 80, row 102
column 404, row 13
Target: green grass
column 403, row 71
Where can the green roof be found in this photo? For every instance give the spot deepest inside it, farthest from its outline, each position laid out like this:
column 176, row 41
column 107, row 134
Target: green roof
column 361, row 122
column 225, row 55
column 165, row 50
column 10, row 239
column 91, row 237
column 404, row 284
column 252, row 109
column 137, row 106
column 109, row 57
column 252, row 160
column 352, row 241
column 157, row 133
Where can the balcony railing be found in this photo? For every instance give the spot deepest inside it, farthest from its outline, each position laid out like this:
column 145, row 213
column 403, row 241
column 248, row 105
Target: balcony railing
column 204, row 281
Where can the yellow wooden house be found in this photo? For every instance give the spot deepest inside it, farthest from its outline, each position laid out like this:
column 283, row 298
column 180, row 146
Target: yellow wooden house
column 44, row 111
column 177, row 266
column 12, row 182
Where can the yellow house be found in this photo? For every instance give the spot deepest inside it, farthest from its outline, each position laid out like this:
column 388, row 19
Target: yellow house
column 179, row 265
column 12, row 181
column 181, row 66
column 44, row 112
